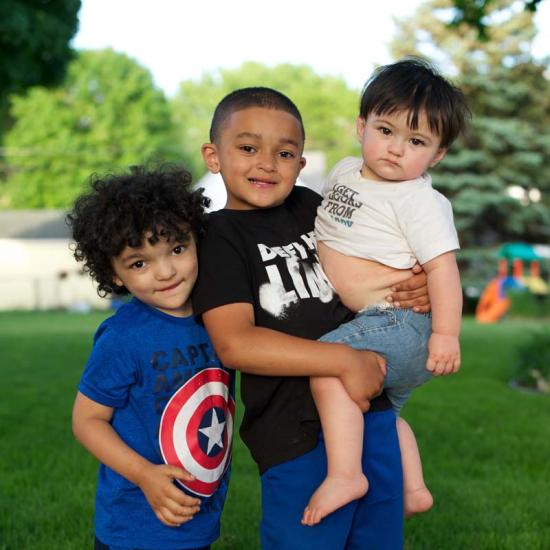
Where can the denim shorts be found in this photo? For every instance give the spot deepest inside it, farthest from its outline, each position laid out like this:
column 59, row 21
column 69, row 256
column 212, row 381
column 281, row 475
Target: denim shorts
column 400, row 336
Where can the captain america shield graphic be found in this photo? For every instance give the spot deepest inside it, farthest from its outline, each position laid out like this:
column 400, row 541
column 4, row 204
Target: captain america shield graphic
column 196, row 429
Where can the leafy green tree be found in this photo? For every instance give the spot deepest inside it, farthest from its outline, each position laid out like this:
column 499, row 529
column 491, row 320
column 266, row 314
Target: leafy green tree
column 327, row 105
column 498, row 175
column 106, row 116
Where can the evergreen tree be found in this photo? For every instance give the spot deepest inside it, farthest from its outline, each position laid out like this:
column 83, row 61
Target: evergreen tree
column 498, row 175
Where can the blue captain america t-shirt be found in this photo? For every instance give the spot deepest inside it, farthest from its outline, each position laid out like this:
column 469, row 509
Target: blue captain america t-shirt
column 173, row 402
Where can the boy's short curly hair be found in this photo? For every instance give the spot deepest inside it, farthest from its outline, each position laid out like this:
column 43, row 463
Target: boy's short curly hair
column 121, row 208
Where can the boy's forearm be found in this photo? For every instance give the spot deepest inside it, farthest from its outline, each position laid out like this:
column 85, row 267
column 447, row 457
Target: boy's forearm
column 101, row 440
column 445, row 293
column 105, row 444
column 256, row 350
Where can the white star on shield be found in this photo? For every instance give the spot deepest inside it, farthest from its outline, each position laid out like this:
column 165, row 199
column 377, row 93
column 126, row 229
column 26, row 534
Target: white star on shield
column 214, row 432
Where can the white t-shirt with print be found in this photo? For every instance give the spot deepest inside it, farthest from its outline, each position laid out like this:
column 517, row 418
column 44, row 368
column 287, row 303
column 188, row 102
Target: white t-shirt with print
column 395, row 224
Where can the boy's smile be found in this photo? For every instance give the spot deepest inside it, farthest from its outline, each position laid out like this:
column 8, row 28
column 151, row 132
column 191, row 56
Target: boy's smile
column 392, row 151
column 259, row 154
column 160, row 275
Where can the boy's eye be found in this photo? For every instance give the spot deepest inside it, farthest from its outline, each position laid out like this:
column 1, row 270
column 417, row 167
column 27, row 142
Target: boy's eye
column 384, row 130
column 416, row 141
column 138, row 265
column 286, row 154
column 178, row 249
column 247, row 148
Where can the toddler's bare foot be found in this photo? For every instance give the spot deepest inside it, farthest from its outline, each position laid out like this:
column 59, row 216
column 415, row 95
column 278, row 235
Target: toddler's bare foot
column 418, row 501
column 332, row 494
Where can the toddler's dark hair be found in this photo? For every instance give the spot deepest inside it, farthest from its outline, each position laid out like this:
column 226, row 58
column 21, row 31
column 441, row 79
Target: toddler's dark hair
column 413, row 85
column 121, row 208
column 245, row 98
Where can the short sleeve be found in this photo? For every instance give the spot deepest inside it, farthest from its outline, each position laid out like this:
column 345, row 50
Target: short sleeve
column 426, row 219
column 110, row 370
column 224, row 276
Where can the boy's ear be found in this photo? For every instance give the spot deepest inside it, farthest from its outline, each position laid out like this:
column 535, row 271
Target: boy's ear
column 210, row 157
column 438, row 156
column 117, row 281
column 302, row 163
column 360, row 127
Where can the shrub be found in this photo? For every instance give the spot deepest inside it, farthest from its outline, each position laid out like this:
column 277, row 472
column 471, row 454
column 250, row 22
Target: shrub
column 526, row 304
column 532, row 368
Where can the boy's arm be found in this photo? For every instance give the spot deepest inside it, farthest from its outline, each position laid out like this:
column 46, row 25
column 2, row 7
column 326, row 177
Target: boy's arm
column 256, row 350
column 91, row 426
column 446, row 299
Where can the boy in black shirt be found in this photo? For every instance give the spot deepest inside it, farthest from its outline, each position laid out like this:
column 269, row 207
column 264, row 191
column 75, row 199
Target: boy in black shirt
column 263, row 299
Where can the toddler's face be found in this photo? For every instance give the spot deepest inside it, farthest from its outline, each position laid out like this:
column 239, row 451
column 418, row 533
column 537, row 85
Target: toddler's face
column 259, row 154
column 160, row 275
column 392, row 151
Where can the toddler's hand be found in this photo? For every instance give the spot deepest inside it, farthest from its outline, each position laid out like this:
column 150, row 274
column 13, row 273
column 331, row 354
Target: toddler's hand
column 170, row 504
column 444, row 354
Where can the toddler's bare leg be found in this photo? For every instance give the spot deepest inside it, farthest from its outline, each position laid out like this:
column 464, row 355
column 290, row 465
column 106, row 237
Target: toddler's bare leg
column 342, row 423
column 417, row 497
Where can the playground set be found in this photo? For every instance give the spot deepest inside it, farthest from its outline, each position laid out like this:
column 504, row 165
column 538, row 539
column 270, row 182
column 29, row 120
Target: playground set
column 495, row 301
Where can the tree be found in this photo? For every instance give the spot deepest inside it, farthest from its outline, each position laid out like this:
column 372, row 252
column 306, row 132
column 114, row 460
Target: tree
column 34, row 43
column 327, row 105
column 474, row 13
column 498, row 175
column 106, row 116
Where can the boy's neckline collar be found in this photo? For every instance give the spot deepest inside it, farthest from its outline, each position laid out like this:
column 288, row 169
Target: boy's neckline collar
column 174, row 318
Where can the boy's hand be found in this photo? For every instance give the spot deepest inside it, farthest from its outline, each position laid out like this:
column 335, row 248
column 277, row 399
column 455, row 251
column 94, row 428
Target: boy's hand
column 170, row 504
column 412, row 293
column 364, row 377
column 444, row 354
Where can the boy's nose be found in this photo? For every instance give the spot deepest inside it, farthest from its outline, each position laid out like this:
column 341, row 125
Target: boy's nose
column 165, row 270
column 266, row 161
column 396, row 147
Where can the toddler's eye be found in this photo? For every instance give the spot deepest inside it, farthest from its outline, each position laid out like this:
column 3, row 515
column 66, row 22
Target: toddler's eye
column 416, row 141
column 178, row 249
column 385, row 131
column 247, row 148
column 138, row 265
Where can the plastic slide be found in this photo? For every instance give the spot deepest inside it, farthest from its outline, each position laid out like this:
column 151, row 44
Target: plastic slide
column 493, row 302
column 536, row 285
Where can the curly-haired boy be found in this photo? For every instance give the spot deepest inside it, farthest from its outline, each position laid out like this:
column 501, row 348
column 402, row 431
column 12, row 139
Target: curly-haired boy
column 154, row 405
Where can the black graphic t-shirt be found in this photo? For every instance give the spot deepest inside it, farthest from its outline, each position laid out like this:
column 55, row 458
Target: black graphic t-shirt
column 267, row 258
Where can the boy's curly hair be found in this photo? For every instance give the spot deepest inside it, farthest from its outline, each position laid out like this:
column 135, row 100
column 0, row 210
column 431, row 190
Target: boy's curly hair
column 121, row 208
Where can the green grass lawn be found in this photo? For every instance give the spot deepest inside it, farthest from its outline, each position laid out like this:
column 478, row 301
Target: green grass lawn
column 485, row 447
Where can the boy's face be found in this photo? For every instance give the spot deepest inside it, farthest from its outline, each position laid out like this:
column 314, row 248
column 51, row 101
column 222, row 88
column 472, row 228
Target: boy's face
column 259, row 155
column 392, row 151
column 160, row 275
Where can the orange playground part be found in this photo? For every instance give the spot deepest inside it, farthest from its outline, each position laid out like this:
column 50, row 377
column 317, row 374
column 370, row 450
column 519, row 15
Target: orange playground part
column 493, row 302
